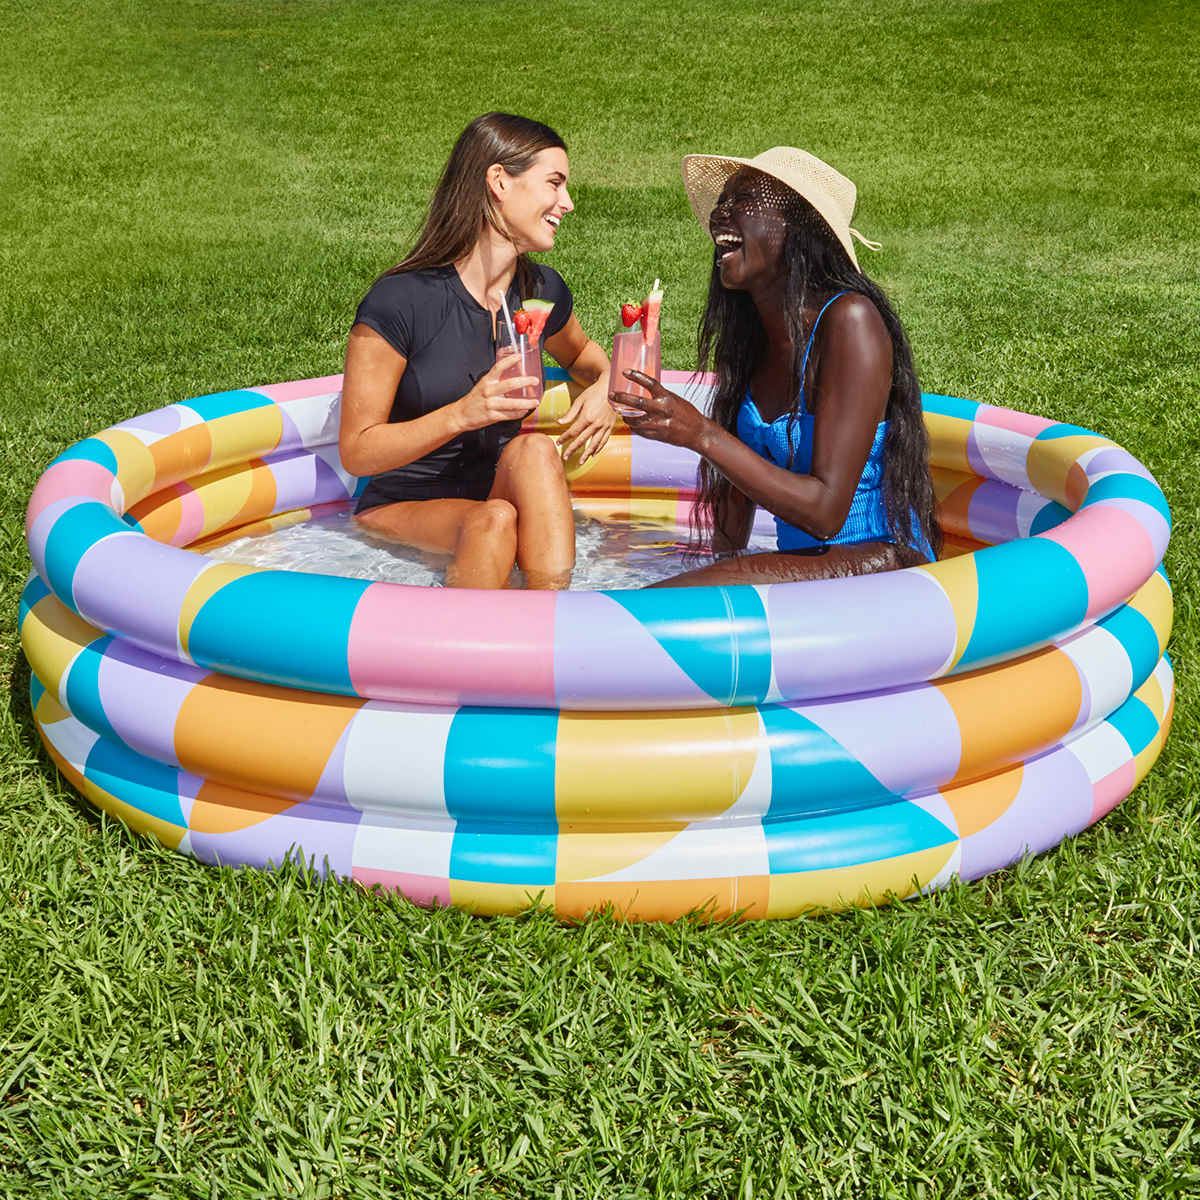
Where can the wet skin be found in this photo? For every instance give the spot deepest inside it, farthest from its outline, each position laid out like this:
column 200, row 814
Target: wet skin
column 834, row 562
column 846, row 386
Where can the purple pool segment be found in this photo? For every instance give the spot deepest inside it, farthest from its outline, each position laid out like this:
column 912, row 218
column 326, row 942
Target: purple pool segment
column 595, row 641
column 158, row 423
column 975, row 459
column 1000, row 455
column 310, row 832
column 991, row 513
column 1114, row 459
column 1053, row 801
column 291, row 438
column 660, row 464
column 305, row 421
column 331, row 484
column 908, row 738
column 837, row 636
column 303, row 479
column 143, row 694
column 137, row 586
column 189, row 790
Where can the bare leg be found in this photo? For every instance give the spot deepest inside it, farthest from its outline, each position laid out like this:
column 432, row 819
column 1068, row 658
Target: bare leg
column 837, row 562
column 530, row 477
column 481, row 534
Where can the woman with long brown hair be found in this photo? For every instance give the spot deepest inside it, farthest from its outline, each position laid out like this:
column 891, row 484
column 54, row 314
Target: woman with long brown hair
column 425, row 412
column 817, row 413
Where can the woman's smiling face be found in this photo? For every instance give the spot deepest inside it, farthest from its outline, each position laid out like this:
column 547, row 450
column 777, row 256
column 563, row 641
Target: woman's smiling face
column 749, row 225
column 534, row 202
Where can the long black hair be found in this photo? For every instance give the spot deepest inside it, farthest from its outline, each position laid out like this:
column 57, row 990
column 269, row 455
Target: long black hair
column 731, row 339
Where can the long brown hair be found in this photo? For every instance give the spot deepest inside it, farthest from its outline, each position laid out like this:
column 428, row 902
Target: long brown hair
column 462, row 205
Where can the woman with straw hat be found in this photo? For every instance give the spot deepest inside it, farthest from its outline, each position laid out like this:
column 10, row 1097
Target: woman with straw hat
column 425, row 412
column 817, row 411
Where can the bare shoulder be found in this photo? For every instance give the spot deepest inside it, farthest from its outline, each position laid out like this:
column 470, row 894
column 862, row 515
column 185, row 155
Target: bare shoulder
column 855, row 316
column 857, row 340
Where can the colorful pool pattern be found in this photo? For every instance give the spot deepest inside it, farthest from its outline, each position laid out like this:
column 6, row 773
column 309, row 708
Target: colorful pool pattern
column 763, row 750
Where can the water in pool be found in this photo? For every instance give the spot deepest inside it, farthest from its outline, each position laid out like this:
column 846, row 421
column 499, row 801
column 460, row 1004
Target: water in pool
column 609, row 554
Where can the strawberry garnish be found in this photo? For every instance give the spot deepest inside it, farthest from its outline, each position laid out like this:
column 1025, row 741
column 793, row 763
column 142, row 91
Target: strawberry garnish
column 631, row 314
column 521, row 322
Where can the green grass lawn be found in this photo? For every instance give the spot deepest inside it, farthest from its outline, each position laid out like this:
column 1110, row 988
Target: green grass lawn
column 195, row 195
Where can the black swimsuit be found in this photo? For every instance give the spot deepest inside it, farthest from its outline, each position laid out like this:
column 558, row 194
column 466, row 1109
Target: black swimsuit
column 447, row 337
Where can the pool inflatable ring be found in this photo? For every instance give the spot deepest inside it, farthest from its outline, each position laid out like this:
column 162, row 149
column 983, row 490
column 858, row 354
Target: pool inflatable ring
column 764, row 750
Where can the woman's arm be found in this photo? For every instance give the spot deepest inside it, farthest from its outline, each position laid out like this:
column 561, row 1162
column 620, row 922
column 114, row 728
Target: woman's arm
column 590, row 419
column 369, row 444
column 851, row 399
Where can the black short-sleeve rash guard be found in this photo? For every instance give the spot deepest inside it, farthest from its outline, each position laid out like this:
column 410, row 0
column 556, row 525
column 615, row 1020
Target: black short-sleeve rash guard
column 446, row 336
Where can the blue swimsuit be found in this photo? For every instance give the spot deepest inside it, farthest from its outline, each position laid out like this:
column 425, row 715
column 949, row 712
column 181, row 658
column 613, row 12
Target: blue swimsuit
column 787, row 442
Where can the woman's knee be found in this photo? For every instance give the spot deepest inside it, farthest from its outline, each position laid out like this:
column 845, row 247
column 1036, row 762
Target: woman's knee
column 533, row 452
column 493, row 518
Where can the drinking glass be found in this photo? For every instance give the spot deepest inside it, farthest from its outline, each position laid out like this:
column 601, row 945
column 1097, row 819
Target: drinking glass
column 633, row 351
column 526, row 361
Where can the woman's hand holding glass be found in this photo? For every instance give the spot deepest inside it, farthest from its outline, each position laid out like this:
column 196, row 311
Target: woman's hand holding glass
column 662, row 416
column 490, row 401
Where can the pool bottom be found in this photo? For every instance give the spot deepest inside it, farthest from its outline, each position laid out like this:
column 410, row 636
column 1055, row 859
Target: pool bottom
column 609, row 553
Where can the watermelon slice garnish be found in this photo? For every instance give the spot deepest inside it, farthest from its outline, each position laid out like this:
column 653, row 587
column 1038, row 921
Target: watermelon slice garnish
column 651, row 308
column 538, row 312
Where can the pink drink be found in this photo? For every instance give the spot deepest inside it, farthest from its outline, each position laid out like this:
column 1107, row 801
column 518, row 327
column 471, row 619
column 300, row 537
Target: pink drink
column 633, row 351
column 526, row 361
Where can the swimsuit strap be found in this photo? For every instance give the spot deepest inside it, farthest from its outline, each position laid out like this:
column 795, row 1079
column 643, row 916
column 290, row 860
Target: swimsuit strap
column 808, row 348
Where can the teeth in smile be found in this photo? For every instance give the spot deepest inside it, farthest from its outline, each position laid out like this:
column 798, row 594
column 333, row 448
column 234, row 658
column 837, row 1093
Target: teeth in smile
column 728, row 241
column 555, row 221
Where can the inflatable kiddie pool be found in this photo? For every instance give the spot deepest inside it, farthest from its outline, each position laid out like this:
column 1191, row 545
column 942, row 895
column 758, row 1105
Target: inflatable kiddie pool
column 761, row 750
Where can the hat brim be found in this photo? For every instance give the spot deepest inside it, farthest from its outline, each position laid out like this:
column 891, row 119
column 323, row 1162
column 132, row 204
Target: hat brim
column 704, row 175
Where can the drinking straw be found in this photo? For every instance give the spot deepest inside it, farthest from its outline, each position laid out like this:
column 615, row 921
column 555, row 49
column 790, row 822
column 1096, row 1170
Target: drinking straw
column 512, row 333
column 650, row 322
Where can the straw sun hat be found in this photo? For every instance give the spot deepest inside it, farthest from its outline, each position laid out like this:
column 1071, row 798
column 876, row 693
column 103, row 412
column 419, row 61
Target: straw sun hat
column 830, row 193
